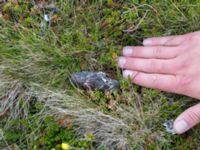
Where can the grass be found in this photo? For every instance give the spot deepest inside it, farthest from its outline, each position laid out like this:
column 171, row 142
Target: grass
column 35, row 64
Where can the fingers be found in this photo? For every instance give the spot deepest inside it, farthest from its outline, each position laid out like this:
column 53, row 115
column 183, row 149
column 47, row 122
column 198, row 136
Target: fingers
column 149, row 65
column 187, row 119
column 167, row 41
column 160, row 52
column 155, row 81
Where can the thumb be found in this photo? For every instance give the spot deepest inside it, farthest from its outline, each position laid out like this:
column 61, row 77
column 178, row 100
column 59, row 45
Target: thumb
column 187, row 119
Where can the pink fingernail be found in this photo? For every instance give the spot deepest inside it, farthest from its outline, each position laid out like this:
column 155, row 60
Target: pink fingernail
column 181, row 126
column 127, row 50
column 147, row 42
column 127, row 74
column 121, row 62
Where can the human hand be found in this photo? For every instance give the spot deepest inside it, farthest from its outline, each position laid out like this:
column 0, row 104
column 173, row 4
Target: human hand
column 169, row 64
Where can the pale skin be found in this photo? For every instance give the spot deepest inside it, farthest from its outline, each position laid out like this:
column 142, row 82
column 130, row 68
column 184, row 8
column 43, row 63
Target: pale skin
column 170, row 64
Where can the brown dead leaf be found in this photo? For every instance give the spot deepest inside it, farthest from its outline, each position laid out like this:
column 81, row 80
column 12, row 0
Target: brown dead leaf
column 55, row 18
column 6, row 17
column 65, row 122
column 112, row 105
column 104, row 24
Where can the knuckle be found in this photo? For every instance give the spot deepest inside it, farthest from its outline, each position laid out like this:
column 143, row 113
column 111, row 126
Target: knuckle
column 184, row 80
column 155, row 66
column 183, row 48
column 193, row 115
column 135, row 77
column 155, row 81
column 157, row 52
column 183, row 64
column 161, row 67
column 182, row 83
column 194, row 36
column 152, row 65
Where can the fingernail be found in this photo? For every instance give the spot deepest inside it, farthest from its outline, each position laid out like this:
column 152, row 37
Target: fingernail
column 127, row 50
column 127, row 74
column 147, row 42
column 181, row 126
column 121, row 61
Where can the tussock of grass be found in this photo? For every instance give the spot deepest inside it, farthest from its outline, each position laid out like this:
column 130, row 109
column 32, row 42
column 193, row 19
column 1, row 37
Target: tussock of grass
column 108, row 131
